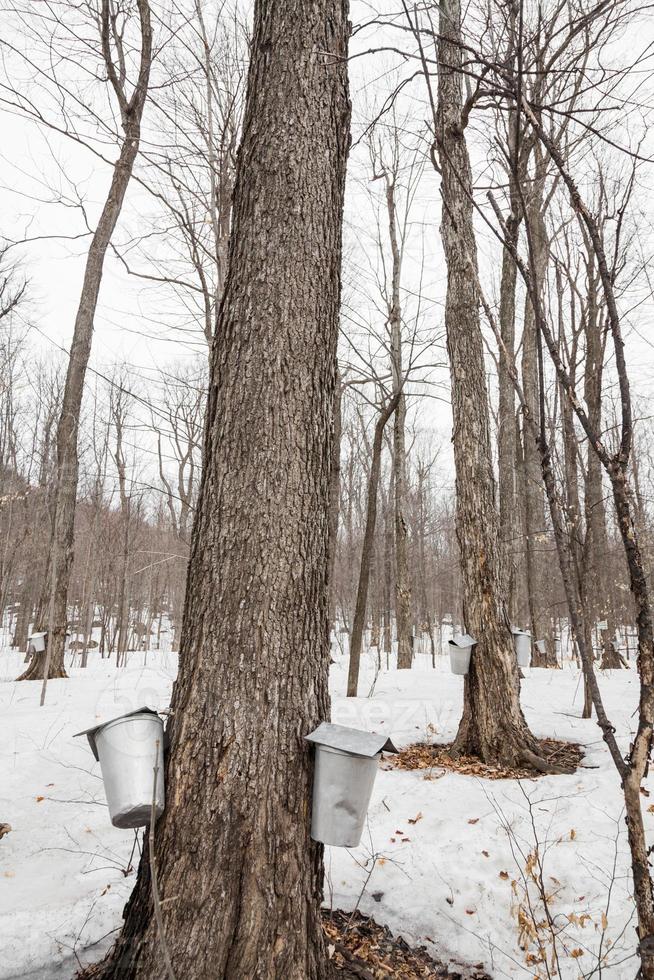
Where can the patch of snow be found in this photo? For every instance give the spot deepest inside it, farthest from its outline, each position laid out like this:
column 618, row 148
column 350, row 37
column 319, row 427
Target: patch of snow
column 439, row 855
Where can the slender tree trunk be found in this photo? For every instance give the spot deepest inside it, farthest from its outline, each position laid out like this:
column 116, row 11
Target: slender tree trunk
column 68, row 426
column 634, row 770
column 24, row 617
column 240, row 878
column 88, row 625
column 402, row 585
column 492, row 726
column 534, row 502
column 123, row 601
column 597, row 586
column 506, row 430
column 367, row 549
column 335, row 493
column 388, row 532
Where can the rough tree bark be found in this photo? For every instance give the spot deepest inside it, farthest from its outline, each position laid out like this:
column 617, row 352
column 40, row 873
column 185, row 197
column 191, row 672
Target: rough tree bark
column 239, row 877
column 492, row 725
column 131, row 112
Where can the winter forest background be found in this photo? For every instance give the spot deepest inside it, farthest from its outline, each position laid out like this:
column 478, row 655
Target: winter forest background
column 491, row 420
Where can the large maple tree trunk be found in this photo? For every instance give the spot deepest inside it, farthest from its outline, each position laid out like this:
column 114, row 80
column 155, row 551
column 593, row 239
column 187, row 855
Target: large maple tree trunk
column 239, row 877
column 492, row 725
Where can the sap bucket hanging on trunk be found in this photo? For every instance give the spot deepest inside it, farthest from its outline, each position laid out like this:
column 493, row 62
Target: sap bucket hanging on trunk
column 343, row 776
column 36, row 643
column 460, row 653
column 522, row 644
column 128, row 749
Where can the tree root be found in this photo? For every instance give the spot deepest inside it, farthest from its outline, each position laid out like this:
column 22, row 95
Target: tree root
column 542, row 765
column 34, row 671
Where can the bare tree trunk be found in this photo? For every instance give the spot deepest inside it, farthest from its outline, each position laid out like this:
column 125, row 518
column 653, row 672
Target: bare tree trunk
column 402, row 585
column 596, row 549
column 616, row 464
column 367, row 548
column 388, row 529
column 240, row 878
column 123, row 604
column 67, row 430
column 506, row 434
column 335, row 492
column 506, row 428
column 118, row 414
column 534, row 501
column 24, row 617
column 492, row 726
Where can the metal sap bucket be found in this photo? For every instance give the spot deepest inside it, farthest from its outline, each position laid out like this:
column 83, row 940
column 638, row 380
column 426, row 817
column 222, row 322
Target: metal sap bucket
column 522, row 644
column 540, row 646
column 37, row 641
column 128, row 748
column 344, row 775
column 460, row 653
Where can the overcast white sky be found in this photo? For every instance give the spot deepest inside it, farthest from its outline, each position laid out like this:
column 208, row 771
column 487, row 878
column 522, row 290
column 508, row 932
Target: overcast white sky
column 130, row 313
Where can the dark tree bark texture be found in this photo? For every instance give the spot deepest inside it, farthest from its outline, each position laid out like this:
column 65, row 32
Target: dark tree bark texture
column 492, row 725
column 239, row 878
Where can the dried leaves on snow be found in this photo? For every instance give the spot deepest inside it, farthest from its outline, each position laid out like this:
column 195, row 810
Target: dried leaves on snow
column 436, row 759
column 360, row 948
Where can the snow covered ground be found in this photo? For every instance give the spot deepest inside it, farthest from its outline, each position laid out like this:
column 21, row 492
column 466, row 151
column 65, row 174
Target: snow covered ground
column 444, row 859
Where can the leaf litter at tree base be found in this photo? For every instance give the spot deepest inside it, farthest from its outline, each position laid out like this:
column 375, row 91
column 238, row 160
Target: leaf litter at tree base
column 361, row 948
column 426, row 755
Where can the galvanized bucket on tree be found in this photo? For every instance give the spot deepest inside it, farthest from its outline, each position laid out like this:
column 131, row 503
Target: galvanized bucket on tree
column 522, row 644
column 460, row 652
column 343, row 777
column 128, row 749
column 36, row 643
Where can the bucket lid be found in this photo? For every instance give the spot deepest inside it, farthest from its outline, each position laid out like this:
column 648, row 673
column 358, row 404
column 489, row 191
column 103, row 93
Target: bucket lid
column 518, row 632
column 465, row 640
column 36, row 636
column 92, row 732
column 351, row 740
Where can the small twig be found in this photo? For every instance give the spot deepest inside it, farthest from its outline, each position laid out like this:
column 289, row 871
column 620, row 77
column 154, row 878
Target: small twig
column 353, row 965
